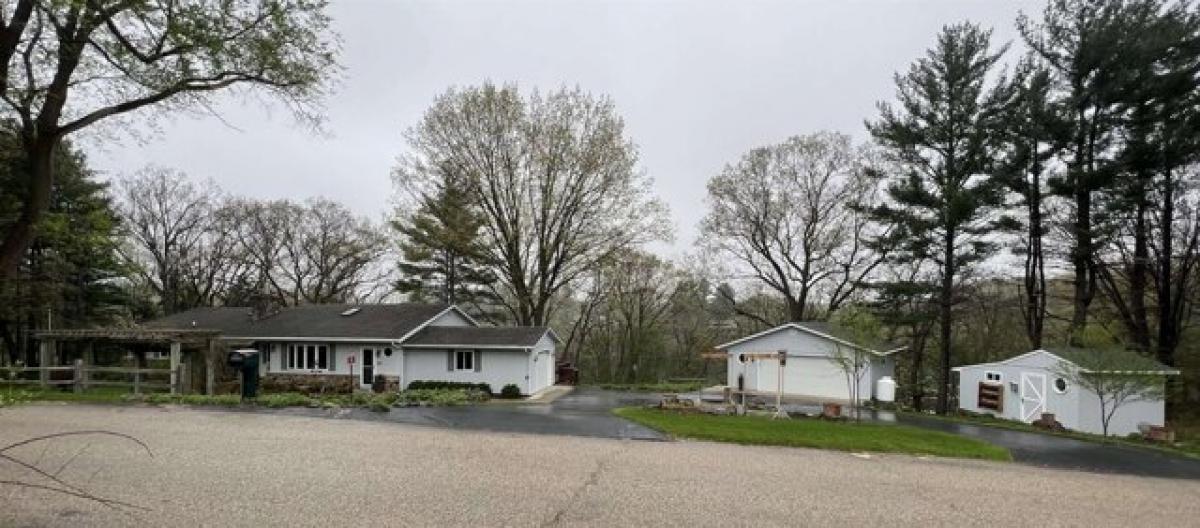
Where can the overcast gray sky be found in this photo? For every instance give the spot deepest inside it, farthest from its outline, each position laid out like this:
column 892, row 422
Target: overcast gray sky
column 698, row 84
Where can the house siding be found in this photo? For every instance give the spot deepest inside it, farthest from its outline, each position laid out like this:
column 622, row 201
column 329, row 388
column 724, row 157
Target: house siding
column 451, row 318
column 542, row 359
column 498, row 368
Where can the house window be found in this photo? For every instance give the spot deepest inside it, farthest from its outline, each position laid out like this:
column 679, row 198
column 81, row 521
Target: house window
column 464, row 360
column 308, row 357
column 993, row 376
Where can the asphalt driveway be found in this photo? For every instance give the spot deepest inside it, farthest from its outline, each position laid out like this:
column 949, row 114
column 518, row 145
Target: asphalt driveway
column 587, row 412
column 1067, row 453
column 583, row 412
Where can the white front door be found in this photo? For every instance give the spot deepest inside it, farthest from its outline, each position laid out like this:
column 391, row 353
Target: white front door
column 1033, row 395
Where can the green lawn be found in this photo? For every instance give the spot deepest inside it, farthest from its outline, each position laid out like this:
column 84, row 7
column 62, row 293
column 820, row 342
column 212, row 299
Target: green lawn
column 812, row 432
column 94, row 395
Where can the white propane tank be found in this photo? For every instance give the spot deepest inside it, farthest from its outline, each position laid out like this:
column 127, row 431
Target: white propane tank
column 885, row 389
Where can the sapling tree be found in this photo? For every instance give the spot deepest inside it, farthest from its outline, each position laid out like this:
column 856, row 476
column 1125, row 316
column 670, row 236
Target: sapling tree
column 853, row 326
column 1116, row 375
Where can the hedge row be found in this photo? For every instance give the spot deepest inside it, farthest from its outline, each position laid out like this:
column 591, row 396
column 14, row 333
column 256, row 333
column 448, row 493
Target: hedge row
column 433, row 384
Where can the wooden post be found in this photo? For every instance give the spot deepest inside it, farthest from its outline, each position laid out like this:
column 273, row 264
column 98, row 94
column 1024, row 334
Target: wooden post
column 175, row 353
column 209, row 365
column 779, row 389
column 139, row 362
column 89, row 361
column 78, row 385
column 46, row 352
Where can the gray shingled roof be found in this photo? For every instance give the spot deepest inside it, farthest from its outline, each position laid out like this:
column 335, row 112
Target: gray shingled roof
column 228, row 320
column 1113, row 359
column 390, row 321
column 513, row 336
column 833, row 330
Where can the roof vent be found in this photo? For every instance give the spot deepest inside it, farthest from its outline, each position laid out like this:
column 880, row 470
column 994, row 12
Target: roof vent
column 351, row 311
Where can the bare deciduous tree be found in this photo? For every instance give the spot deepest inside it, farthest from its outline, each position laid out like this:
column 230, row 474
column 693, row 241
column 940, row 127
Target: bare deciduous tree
column 790, row 216
column 178, row 244
column 554, row 177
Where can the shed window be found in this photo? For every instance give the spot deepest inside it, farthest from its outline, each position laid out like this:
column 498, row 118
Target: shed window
column 993, row 376
column 1060, row 385
column 464, row 360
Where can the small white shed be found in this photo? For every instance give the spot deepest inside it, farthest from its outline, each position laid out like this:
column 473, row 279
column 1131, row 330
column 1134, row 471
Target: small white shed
column 810, row 371
column 1023, row 387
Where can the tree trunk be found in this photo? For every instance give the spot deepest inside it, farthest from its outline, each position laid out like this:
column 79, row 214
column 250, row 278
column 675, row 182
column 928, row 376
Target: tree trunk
column 946, row 320
column 1140, row 326
column 1035, row 263
column 1081, row 256
column 20, row 235
column 1168, row 333
column 914, row 381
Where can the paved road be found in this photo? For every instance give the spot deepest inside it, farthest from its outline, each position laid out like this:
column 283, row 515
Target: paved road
column 584, row 412
column 252, row 469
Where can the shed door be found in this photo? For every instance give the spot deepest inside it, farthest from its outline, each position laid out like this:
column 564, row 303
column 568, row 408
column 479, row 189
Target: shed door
column 1033, row 395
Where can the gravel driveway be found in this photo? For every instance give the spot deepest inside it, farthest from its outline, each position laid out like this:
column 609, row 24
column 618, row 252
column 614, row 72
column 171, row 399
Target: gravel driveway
column 231, row 468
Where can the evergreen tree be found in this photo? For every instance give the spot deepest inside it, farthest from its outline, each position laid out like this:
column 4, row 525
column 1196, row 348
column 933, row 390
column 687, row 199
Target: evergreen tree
column 1088, row 45
column 71, row 276
column 1033, row 135
column 442, row 254
column 943, row 136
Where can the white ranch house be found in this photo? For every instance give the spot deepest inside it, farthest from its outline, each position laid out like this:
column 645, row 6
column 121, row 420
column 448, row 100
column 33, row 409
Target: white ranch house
column 1023, row 387
column 810, row 372
column 401, row 342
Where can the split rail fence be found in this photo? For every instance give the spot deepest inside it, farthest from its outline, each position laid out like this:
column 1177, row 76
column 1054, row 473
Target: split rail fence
column 82, row 379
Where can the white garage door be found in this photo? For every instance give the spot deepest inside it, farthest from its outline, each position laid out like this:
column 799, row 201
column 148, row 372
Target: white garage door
column 815, row 377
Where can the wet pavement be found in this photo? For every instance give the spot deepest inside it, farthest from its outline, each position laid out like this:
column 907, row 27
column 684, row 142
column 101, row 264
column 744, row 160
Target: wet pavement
column 583, row 412
column 587, row 412
column 1045, row 450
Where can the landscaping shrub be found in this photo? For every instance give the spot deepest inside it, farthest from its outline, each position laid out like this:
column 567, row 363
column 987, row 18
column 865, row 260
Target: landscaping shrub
column 435, row 397
column 285, row 399
column 383, row 402
column 434, row 384
column 186, row 399
column 11, row 397
column 510, row 392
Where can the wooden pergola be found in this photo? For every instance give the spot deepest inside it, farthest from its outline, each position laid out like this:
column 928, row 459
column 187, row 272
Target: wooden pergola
column 207, row 341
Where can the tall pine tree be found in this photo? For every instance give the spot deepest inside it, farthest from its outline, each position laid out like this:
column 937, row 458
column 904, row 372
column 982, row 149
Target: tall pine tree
column 441, row 251
column 942, row 134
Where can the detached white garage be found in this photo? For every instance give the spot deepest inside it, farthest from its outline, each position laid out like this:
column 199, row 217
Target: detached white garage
column 811, row 371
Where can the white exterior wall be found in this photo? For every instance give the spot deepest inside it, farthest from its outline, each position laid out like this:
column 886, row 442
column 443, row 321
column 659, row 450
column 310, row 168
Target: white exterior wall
column 1075, row 409
column 497, row 368
column 1125, row 421
column 451, row 318
column 809, row 371
column 542, row 367
column 339, row 364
